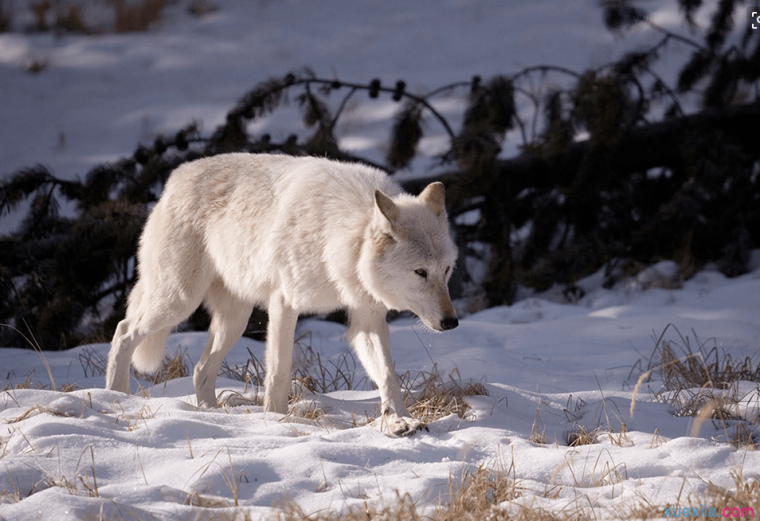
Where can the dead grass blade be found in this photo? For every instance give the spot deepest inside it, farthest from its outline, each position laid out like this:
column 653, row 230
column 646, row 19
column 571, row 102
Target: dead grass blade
column 538, row 435
column 93, row 363
column 90, row 486
column 32, row 341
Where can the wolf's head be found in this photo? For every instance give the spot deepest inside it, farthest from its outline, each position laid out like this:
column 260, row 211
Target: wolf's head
column 408, row 256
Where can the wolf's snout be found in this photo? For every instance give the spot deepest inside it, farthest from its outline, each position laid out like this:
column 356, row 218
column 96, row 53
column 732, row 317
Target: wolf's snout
column 449, row 323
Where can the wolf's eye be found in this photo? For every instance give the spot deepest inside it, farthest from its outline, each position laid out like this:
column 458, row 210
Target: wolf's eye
column 448, row 269
column 422, row 273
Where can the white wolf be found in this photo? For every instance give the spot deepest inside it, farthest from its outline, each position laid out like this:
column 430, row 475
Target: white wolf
column 297, row 235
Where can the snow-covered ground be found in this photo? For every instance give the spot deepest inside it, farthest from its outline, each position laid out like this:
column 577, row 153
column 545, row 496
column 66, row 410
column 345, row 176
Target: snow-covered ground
column 547, row 367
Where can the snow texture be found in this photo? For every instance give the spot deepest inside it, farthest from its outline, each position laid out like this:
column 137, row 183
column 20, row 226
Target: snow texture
column 547, row 366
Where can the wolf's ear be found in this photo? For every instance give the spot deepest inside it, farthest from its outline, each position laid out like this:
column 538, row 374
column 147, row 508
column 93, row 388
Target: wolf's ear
column 434, row 196
column 387, row 207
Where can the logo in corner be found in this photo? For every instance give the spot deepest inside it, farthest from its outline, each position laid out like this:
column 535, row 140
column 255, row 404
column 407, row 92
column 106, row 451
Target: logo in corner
column 755, row 19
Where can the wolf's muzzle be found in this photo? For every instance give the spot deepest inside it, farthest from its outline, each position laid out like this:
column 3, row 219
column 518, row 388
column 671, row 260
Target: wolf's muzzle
column 449, row 323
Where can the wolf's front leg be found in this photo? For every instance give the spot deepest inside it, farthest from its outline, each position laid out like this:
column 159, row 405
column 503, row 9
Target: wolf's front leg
column 369, row 336
column 279, row 357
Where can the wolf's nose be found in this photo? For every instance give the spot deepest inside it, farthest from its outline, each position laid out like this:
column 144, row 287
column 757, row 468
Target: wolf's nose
column 449, row 323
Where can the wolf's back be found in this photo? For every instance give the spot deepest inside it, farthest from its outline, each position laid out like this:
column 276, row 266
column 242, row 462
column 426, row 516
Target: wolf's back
column 262, row 222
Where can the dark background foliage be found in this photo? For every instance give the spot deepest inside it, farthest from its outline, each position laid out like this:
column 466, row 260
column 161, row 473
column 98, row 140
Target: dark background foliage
column 645, row 185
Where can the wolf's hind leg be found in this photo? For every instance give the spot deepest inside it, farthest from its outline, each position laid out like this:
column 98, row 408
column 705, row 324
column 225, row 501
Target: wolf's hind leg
column 124, row 343
column 144, row 330
column 125, row 340
column 279, row 358
column 229, row 318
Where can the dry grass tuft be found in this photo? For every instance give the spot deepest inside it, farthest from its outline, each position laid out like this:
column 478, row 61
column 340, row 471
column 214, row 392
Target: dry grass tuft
column 11, row 496
column 93, row 363
column 581, row 435
column 131, row 424
column 28, row 384
column 35, row 410
column 685, row 368
column 538, row 437
column 743, row 437
column 252, row 373
column 310, row 373
column 435, row 398
column 90, row 485
column 307, row 410
column 700, row 381
column 84, row 477
column 538, row 434
column 316, row 377
column 478, row 494
column 173, row 367
column 195, row 499
column 704, row 367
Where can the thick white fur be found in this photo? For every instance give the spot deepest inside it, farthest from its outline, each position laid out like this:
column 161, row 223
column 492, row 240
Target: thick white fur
column 296, row 235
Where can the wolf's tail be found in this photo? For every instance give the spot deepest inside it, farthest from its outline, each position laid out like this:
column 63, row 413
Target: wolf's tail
column 150, row 352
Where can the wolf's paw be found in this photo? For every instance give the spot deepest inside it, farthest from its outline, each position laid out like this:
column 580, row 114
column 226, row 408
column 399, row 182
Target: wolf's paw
column 235, row 399
column 395, row 425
